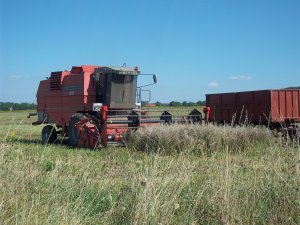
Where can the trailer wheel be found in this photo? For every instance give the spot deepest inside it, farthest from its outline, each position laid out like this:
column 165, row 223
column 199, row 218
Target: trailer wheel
column 72, row 131
column 49, row 134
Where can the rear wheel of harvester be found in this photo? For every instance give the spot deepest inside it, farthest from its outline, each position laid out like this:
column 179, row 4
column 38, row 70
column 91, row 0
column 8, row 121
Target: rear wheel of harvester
column 72, row 130
column 49, row 134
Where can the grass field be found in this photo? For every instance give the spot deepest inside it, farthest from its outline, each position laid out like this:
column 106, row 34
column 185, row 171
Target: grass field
column 166, row 175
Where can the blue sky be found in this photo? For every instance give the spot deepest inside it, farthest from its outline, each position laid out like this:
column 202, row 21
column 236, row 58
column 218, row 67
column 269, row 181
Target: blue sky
column 194, row 47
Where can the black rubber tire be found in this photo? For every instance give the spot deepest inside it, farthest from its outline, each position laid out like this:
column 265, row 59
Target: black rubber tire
column 49, row 134
column 72, row 131
column 195, row 116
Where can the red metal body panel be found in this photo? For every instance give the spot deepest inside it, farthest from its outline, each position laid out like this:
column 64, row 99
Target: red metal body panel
column 258, row 107
column 73, row 92
column 286, row 105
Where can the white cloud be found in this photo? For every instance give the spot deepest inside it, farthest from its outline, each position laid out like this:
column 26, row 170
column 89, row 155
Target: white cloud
column 233, row 77
column 241, row 77
column 16, row 76
column 213, row 84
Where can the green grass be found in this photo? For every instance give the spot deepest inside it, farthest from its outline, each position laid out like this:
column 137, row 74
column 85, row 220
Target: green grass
column 240, row 176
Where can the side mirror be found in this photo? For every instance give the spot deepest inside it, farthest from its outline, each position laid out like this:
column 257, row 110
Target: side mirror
column 154, row 79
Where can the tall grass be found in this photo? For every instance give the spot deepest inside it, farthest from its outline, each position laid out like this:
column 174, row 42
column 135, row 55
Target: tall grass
column 188, row 175
column 199, row 139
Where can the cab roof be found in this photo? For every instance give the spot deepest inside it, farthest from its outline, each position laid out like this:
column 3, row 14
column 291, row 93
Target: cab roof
column 118, row 70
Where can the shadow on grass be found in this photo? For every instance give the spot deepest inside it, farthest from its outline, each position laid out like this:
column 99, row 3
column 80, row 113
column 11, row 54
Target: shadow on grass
column 59, row 141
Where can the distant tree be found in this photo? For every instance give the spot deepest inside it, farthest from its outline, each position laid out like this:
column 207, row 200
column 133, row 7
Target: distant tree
column 158, row 103
column 185, row 103
column 174, row 103
column 200, row 103
column 293, row 87
column 16, row 106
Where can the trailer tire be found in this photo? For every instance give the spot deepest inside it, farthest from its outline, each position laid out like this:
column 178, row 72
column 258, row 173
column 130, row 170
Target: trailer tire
column 72, row 131
column 49, row 134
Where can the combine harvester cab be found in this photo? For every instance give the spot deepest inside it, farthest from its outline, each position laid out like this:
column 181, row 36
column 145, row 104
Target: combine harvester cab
column 95, row 106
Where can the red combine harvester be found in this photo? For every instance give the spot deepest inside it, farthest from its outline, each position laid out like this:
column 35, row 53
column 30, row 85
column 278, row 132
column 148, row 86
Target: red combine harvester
column 96, row 105
column 277, row 109
column 92, row 105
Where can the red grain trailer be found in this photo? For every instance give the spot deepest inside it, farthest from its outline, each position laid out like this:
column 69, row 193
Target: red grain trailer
column 267, row 107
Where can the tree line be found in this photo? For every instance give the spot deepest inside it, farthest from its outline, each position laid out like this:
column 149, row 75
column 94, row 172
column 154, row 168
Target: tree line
column 5, row 106
column 16, row 106
column 184, row 103
column 293, row 87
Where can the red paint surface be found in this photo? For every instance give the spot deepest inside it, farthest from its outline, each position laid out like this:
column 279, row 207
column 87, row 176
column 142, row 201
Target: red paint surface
column 258, row 107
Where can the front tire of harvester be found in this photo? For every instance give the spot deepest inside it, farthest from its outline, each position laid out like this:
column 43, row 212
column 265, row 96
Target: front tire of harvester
column 49, row 134
column 72, row 131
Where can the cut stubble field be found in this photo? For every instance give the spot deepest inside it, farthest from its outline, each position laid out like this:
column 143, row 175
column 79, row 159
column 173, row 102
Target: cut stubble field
column 166, row 175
